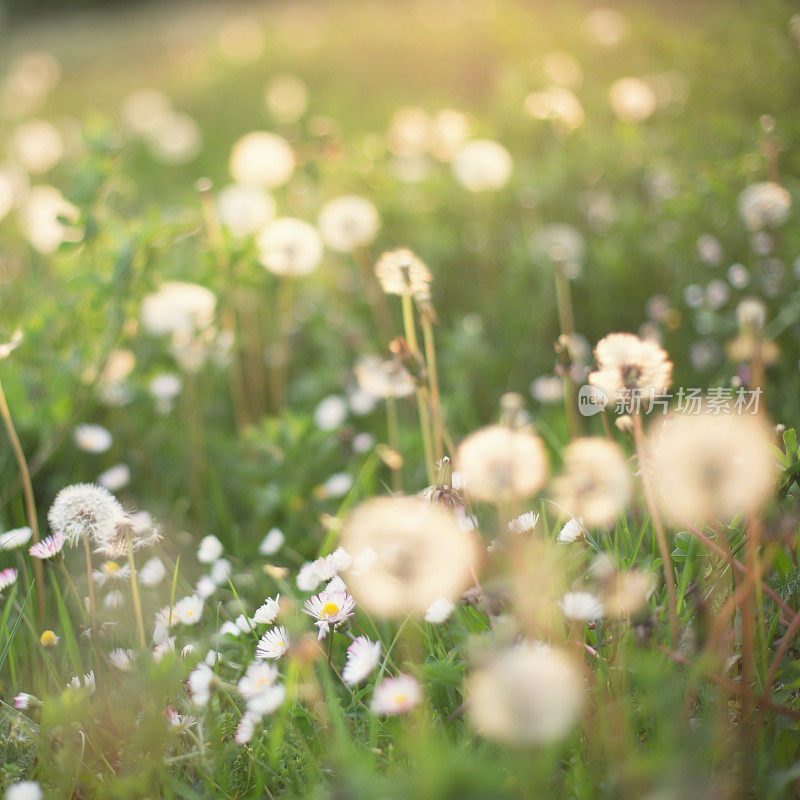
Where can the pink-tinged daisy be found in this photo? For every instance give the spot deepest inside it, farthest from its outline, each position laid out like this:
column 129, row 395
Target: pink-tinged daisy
column 362, row 657
column 49, row 547
column 8, row 577
column 273, row 644
column 24, row 701
column 396, row 695
column 329, row 608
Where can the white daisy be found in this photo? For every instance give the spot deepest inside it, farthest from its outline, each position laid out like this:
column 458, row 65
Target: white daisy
column 581, row 606
column 272, row 542
column 329, row 609
column 268, row 611
column 188, row 610
column 210, row 550
column 439, row 610
column 396, row 695
column 92, row 438
column 273, row 644
column 362, row 657
column 201, row 683
column 15, row 538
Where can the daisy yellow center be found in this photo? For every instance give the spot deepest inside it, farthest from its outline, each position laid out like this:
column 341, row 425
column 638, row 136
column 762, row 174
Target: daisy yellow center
column 111, row 567
column 48, row 638
column 401, row 699
column 329, row 609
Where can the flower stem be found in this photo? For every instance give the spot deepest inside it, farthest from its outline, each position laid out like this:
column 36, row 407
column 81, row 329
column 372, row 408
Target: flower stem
column 394, row 443
column 422, row 402
column 137, row 600
column 658, row 526
column 27, row 493
column 73, row 588
column 433, row 383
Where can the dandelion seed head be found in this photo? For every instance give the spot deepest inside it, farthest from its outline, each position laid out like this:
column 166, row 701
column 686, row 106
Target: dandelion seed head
column 596, row 483
column 348, row 223
column 626, row 362
column 709, row 467
column 401, row 272
column 262, row 159
column 417, row 550
column 85, row 510
column 501, row 464
column 526, row 694
column 482, row 165
column 632, row 99
column 289, row 247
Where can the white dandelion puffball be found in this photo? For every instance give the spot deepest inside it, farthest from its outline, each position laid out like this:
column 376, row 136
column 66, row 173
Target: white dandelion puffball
column 596, row 484
column 482, row 165
column 86, row 510
column 348, row 223
column 178, row 308
column 528, row 694
column 289, row 247
column 605, row 27
column 500, row 464
column 245, row 209
column 37, row 146
column 92, row 438
column 175, row 138
column 419, row 554
column 632, row 99
column 764, row 205
column 286, row 97
column 383, row 378
column 557, row 104
column 711, row 467
column 562, row 69
column 142, row 109
column 626, row 362
column 42, row 216
column 262, row 158
column 401, row 272
column 561, row 245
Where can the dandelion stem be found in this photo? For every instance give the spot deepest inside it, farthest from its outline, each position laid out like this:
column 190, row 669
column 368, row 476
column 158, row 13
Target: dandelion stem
column 228, row 316
column 422, row 403
column 95, row 629
column 433, row 383
column 394, row 444
column 27, row 493
column 137, row 600
column 73, row 588
column 378, row 304
column 281, row 369
column 566, row 323
column 658, row 526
